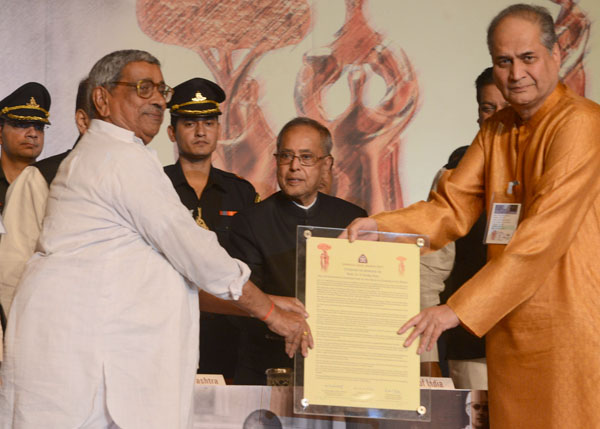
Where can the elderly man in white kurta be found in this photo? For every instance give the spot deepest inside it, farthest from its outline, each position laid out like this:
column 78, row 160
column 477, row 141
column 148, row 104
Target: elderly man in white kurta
column 103, row 330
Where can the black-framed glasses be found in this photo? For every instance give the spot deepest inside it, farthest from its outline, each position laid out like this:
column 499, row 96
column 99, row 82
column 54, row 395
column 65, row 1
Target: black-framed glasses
column 38, row 126
column 145, row 87
column 306, row 159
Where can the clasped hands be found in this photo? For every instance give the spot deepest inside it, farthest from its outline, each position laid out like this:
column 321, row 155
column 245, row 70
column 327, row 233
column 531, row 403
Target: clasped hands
column 289, row 320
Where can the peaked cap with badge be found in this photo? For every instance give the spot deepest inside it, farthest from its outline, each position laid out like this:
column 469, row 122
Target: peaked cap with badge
column 196, row 97
column 28, row 103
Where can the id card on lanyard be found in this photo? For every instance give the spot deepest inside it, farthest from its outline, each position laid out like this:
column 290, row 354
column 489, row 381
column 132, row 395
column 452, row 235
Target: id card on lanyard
column 503, row 217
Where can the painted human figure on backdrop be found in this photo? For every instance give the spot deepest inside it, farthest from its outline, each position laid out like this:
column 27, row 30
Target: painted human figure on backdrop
column 572, row 28
column 367, row 138
column 372, row 134
column 218, row 30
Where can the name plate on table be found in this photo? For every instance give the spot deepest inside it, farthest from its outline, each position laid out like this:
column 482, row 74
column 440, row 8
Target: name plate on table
column 441, row 383
column 358, row 294
column 210, row 379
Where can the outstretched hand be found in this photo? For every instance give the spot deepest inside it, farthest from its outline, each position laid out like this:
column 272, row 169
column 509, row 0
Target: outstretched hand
column 359, row 224
column 429, row 325
column 289, row 303
column 289, row 324
column 293, row 327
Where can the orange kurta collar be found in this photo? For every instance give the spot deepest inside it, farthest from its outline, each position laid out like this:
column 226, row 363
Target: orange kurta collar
column 552, row 100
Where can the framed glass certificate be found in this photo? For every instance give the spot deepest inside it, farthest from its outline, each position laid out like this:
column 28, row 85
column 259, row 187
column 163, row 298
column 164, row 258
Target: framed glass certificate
column 358, row 295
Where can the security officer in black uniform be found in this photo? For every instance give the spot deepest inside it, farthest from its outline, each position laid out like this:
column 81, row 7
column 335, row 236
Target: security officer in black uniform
column 23, row 117
column 213, row 196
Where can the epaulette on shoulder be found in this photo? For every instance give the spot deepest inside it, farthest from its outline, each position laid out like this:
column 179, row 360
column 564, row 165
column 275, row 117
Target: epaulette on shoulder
column 234, row 176
column 240, row 178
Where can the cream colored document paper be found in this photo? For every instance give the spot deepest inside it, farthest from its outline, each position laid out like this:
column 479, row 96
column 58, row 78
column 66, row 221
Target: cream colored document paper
column 358, row 295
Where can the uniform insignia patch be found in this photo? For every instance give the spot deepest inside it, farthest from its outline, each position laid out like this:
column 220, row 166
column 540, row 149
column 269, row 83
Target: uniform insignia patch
column 199, row 97
column 199, row 221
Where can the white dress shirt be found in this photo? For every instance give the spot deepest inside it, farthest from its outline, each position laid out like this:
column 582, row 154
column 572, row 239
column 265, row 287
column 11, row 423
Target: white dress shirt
column 108, row 295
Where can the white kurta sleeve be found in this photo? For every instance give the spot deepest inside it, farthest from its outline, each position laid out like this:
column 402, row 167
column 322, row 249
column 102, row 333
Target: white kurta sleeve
column 25, row 207
column 146, row 197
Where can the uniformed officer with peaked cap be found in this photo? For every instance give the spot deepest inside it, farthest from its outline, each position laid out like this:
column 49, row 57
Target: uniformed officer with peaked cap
column 196, row 98
column 23, row 116
column 28, row 103
column 212, row 195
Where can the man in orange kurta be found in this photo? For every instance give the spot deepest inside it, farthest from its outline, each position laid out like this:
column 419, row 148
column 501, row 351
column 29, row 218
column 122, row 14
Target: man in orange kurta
column 538, row 297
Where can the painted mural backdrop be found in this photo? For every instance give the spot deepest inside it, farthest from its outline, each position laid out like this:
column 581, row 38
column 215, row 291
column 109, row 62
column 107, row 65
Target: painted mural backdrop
column 367, row 139
column 392, row 79
column 573, row 31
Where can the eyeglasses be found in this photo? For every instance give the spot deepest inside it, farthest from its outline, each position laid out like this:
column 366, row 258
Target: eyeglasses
column 306, row 159
column 38, row 126
column 145, row 87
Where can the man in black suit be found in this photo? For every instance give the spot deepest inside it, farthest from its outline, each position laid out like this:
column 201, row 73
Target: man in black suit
column 264, row 235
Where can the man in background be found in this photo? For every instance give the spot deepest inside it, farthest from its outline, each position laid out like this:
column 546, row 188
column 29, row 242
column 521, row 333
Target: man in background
column 212, row 196
column 23, row 116
column 489, row 98
column 26, row 205
column 264, row 235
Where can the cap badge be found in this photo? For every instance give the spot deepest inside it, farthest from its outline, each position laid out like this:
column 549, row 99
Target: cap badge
column 32, row 103
column 199, row 97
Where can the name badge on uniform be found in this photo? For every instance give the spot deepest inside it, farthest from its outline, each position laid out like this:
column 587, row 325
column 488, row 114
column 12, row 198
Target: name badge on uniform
column 502, row 222
column 227, row 212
